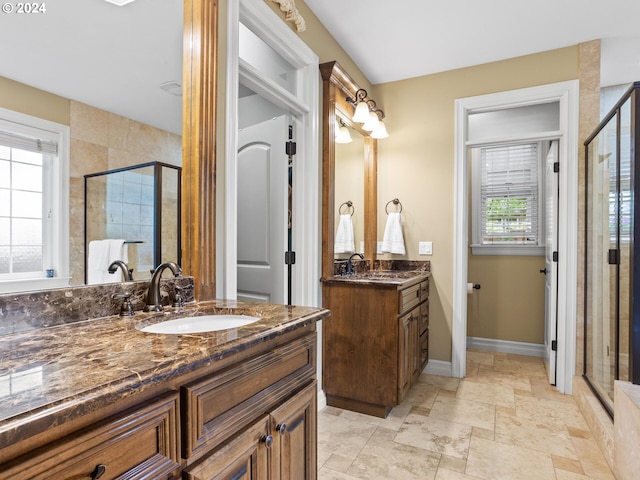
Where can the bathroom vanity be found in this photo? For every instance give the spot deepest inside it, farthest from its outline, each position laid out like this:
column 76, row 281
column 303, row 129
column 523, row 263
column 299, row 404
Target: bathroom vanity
column 376, row 342
column 103, row 399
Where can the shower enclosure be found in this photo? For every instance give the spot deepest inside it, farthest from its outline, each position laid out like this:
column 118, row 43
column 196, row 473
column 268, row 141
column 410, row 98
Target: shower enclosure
column 612, row 222
column 140, row 204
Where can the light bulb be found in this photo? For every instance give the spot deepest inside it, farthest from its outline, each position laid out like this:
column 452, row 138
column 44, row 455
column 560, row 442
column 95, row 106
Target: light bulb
column 362, row 113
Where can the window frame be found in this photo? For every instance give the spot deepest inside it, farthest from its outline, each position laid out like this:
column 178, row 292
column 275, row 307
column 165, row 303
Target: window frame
column 506, row 249
column 55, row 196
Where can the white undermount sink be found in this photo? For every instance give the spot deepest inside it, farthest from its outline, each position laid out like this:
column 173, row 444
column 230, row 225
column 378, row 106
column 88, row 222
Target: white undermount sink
column 201, row 324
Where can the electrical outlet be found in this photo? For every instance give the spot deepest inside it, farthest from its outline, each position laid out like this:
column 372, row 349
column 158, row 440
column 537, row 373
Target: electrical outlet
column 425, row 248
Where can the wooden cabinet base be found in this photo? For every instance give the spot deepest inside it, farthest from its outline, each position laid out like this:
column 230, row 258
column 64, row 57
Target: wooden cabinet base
column 357, row 406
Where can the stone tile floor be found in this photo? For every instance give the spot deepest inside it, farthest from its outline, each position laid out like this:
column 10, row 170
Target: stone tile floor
column 503, row 422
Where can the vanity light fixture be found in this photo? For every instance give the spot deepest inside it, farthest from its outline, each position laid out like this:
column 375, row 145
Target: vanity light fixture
column 119, row 3
column 380, row 131
column 342, row 133
column 367, row 114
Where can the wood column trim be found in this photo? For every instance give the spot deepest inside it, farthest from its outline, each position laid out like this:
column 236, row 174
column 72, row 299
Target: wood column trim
column 200, row 68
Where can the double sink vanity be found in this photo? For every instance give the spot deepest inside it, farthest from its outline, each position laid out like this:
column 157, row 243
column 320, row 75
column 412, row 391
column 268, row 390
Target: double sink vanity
column 103, row 398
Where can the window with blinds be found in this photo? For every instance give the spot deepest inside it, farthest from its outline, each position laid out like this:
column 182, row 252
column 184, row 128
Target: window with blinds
column 507, row 208
column 31, row 200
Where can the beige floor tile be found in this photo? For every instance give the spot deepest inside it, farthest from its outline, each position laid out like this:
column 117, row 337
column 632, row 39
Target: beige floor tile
column 564, row 475
column 444, row 383
column 393, row 421
column 591, row 458
column 519, row 367
column 498, row 461
column 444, row 474
column 422, row 395
column 561, row 413
column 435, row 435
column 536, row 435
column 489, row 375
column 490, row 393
column 483, row 433
column 384, row 458
column 541, row 388
column 328, row 474
column 568, row 464
column 452, row 463
column 342, row 436
column 481, row 357
column 338, row 463
column 462, row 411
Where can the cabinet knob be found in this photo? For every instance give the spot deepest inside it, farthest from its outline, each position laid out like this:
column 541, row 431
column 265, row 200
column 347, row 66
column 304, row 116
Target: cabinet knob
column 98, row 471
column 267, row 440
column 282, row 428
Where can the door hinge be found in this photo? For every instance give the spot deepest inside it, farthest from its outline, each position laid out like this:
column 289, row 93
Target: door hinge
column 556, row 167
column 555, row 256
column 554, row 345
column 613, row 256
column 289, row 258
column 290, row 148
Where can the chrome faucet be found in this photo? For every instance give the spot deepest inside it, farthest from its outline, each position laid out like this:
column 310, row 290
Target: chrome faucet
column 349, row 266
column 127, row 273
column 154, row 302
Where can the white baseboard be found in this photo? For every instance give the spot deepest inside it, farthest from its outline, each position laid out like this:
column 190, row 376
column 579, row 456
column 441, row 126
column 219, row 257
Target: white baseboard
column 438, row 367
column 322, row 400
column 506, row 346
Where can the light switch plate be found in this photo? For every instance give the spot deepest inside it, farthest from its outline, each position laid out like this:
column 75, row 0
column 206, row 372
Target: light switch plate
column 425, row 248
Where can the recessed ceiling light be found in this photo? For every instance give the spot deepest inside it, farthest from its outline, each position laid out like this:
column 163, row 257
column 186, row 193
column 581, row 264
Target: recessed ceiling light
column 119, row 2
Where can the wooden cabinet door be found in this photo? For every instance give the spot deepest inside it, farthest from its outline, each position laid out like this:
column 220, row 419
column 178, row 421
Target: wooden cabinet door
column 294, row 432
column 246, row 457
column 415, row 350
column 405, row 366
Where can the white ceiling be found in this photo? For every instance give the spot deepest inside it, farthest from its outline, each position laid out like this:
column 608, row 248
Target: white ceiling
column 116, row 58
column 394, row 40
column 111, row 57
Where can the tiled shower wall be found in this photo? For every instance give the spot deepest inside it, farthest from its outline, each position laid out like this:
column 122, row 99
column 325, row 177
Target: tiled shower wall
column 102, row 141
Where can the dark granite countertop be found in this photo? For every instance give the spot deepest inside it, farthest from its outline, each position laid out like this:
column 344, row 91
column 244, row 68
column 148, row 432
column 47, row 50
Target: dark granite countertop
column 395, row 278
column 58, row 371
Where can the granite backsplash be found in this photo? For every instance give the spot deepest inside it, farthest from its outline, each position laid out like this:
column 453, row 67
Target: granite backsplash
column 362, row 266
column 24, row 311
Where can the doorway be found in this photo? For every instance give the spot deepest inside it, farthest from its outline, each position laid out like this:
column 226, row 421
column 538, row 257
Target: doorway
column 566, row 94
column 290, row 83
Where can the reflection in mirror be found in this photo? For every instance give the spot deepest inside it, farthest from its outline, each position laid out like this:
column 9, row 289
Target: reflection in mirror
column 140, row 205
column 349, row 186
column 118, row 89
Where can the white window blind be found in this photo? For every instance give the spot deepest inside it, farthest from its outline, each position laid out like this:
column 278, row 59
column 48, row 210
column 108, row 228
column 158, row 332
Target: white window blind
column 509, row 195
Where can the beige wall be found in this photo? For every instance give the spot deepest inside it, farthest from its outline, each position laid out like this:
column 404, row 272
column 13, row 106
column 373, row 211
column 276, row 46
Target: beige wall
column 416, row 163
column 31, row 101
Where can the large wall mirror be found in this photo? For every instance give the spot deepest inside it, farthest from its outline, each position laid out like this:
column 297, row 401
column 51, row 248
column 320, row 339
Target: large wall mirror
column 114, row 75
column 348, row 171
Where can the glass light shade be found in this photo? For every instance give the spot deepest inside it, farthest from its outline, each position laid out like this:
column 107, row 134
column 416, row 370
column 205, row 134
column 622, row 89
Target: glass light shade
column 343, row 136
column 337, row 129
column 380, row 131
column 361, row 114
column 371, row 123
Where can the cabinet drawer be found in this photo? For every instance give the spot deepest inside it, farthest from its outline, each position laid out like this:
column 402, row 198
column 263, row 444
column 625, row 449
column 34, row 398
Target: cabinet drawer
column 219, row 405
column 424, row 349
column 140, row 444
column 424, row 290
column 408, row 298
column 424, row 316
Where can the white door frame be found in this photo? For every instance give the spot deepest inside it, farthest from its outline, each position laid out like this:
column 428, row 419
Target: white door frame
column 566, row 93
column 303, row 105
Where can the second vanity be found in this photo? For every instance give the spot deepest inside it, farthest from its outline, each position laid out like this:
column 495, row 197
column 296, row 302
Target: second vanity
column 103, row 399
column 376, row 342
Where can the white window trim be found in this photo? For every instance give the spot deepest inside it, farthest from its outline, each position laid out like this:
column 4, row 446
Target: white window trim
column 477, row 248
column 59, row 227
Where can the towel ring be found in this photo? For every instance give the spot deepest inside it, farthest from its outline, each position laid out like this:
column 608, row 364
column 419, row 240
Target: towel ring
column 349, row 205
column 396, row 202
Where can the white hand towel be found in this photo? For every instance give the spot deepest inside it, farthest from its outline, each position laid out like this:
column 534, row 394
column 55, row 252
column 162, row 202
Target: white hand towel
column 101, row 254
column 393, row 241
column 344, row 242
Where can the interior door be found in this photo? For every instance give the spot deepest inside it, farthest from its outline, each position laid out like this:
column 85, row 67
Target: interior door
column 551, row 266
column 262, row 211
